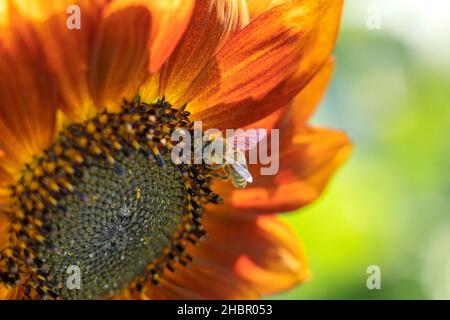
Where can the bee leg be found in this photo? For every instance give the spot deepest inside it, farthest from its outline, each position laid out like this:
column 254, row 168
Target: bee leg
column 215, row 166
column 225, row 175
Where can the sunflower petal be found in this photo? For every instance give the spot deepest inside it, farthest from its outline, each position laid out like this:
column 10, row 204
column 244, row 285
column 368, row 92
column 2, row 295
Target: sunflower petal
column 4, row 14
column 307, row 162
column 7, row 293
column 276, row 262
column 301, row 108
column 194, row 282
column 38, row 10
column 69, row 51
column 262, row 250
column 305, row 103
column 258, row 7
column 257, row 73
column 120, row 55
column 28, row 98
column 170, row 18
column 5, row 180
column 4, row 224
column 4, row 292
column 213, row 22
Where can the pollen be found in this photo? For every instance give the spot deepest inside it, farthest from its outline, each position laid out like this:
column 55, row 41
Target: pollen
column 107, row 200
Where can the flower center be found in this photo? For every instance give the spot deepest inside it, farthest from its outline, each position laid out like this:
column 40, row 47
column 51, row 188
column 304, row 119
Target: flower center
column 119, row 220
column 104, row 209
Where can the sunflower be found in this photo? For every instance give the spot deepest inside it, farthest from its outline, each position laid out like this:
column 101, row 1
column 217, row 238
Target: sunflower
column 86, row 116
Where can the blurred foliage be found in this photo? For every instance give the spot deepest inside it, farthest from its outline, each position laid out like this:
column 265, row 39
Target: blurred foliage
column 389, row 205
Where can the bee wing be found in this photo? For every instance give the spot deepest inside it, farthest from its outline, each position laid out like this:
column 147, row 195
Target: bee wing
column 243, row 172
column 235, row 157
column 243, row 140
column 239, row 164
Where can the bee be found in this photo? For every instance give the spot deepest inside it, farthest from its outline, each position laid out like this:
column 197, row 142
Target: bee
column 232, row 162
column 238, row 171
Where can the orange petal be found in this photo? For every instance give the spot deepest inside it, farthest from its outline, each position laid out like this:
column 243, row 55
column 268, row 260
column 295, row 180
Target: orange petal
column 202, row 280
column 4, row 14
column 149, row 92
column 9, row 293
column 262, row 250
column 5, row 180
column 38, row 10
column 307, row 161
column 4, row 225
column 5, row 195
column 69, row 51
column 276, row 261
column 120, row 55
column 213, row 22
column 28, row 98
column 266, row 64
column 4, row 293
column 301, row 108
column 170, row 18
column 306, row 102
column 258, row 7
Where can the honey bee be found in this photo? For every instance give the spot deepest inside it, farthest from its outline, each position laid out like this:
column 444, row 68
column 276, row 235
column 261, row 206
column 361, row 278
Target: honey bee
column 238, row 171
column 232, row 162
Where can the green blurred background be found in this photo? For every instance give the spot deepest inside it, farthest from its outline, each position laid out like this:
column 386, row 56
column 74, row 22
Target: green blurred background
column 389, row 205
